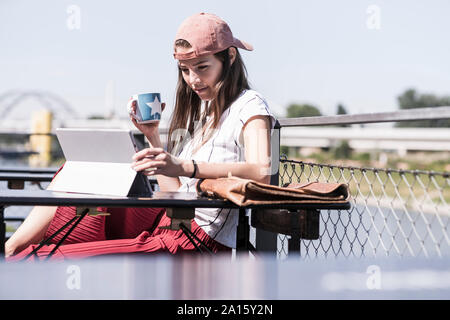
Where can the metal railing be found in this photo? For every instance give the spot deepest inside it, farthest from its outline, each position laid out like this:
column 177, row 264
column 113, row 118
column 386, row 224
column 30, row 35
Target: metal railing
column 394, row 212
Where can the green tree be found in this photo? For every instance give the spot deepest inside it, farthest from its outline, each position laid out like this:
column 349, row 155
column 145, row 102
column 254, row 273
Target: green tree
column 341, row 110
column 410, row 99
column 342, row 150
column 96, row 117
column 302, row 110
column 298, row 111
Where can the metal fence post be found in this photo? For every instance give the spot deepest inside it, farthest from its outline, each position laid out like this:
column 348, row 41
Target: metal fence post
column 2, row 232
column 266, row 241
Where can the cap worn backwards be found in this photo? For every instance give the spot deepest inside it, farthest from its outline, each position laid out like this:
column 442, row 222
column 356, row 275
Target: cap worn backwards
column 207, row 34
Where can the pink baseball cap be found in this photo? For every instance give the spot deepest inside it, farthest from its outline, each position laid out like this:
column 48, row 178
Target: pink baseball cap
column 207, row 34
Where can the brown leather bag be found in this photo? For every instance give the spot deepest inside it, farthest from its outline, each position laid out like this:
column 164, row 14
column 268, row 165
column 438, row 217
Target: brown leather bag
column 244, row 192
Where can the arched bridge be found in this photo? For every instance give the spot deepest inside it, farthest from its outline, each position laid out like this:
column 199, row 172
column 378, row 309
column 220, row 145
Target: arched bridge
column 59, row 107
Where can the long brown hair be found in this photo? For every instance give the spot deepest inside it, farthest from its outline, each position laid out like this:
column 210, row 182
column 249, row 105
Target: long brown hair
column 187, row 109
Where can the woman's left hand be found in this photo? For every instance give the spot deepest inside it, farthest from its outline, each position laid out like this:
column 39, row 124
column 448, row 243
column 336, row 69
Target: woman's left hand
column 157, row 161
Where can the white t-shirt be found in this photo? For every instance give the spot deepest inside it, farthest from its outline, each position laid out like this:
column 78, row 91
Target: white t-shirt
column 225, row 145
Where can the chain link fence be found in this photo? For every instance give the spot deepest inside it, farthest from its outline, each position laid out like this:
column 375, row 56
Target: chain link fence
column 394, row 212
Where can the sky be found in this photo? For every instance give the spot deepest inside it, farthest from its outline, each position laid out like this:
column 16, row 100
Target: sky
column 96, row 54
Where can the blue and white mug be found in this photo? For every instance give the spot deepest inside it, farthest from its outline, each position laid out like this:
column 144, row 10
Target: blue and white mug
column 148, row 108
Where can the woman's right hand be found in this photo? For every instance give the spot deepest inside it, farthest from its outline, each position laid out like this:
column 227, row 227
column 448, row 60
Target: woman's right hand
column 148, row 129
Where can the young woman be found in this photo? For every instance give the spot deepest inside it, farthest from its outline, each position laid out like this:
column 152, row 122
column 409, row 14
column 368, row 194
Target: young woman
column 219, row 127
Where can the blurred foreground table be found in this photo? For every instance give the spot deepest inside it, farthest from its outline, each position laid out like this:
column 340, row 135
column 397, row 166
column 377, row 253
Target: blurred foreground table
column 223, row 277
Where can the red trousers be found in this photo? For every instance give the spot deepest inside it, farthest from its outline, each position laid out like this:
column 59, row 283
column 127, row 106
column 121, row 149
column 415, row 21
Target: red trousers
column 126, row 230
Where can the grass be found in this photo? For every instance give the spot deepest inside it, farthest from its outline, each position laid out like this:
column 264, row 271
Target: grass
column 10, row 228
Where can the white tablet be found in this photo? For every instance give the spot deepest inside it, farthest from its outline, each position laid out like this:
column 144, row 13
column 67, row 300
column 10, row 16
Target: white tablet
column 97, row 145
column 98, row 161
